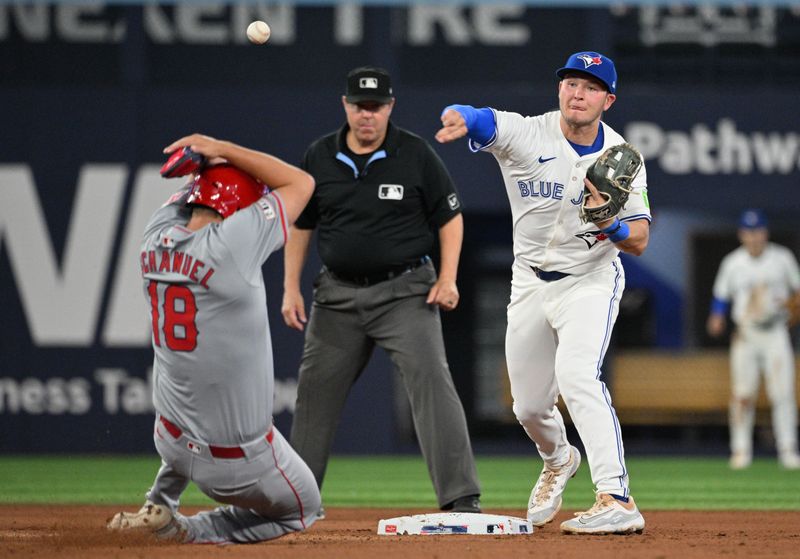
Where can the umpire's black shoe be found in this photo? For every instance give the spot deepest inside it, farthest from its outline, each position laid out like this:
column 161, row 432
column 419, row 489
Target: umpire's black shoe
column 469, row 503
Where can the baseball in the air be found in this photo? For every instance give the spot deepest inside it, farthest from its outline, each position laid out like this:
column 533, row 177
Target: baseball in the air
column 258, row 32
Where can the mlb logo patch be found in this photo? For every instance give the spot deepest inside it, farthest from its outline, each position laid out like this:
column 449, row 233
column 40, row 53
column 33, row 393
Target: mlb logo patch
column 266, row 209
column 452, row 201
column 390, row 192
column 368, row 83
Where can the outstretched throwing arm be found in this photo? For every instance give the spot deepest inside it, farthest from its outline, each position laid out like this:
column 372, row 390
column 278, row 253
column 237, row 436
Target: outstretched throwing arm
column 453, row 127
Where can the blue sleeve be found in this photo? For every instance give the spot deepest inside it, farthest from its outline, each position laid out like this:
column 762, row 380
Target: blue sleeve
column 718, row 306
column 481, row 124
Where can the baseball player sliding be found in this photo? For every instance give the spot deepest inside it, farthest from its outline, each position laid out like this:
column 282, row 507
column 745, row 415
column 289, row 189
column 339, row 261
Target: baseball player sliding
column 213, row 377
column 566, row 284
column 758, row 278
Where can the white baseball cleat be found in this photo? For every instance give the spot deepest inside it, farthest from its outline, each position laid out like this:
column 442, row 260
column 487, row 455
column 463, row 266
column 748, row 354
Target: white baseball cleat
column 607, row 516
column 545, row 499
column 740, row 460
column 151, row 518
column 789, row 460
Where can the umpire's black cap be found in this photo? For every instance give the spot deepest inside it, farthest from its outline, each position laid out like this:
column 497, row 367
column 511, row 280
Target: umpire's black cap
column 368, row 83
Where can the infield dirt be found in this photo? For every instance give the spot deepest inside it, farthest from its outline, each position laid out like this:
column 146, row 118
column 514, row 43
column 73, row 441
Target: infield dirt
column 72, row 532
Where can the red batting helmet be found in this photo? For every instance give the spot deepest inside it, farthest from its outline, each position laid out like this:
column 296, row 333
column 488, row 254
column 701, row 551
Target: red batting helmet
column 225, row 189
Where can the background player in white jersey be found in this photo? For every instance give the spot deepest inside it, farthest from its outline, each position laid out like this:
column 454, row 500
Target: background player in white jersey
column 213, row 371
column 757, row 279
column 567, row 283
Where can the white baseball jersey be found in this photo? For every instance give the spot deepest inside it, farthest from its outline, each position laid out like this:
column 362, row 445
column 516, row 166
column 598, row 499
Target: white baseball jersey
column 544, row 176
column 558, row 329
column 213, row 369
column 758, row 286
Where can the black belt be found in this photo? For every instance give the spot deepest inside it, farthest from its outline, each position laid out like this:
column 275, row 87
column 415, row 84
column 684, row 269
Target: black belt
column 548, row 276
column 365, row 280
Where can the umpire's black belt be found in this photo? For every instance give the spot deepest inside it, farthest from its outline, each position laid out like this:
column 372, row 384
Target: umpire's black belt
column 365, row 280
column 548, row 276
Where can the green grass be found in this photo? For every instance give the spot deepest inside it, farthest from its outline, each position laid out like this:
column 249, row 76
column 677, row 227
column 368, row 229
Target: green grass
column 402, row 481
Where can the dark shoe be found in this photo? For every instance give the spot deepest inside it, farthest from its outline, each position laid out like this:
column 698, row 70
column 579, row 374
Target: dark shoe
column 469, row 503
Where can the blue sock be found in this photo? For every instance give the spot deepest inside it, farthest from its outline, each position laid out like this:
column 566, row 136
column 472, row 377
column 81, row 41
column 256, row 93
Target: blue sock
column 620, row 498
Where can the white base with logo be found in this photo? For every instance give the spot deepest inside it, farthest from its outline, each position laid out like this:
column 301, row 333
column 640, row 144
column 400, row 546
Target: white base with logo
column 444, row 523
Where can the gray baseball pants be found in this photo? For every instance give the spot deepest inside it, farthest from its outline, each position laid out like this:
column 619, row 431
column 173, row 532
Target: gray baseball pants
column 270, row 491
column 345, row 324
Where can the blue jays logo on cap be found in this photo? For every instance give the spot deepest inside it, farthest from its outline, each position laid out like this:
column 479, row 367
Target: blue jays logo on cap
column 593, row 63
column 752, row 219
column 589, row 60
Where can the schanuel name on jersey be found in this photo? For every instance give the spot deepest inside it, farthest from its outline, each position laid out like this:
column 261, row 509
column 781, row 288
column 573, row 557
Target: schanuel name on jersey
column 176, row 262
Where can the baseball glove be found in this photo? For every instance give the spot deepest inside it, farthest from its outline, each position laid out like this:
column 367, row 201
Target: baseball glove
column 612, row 174
column 182, row 162
column 793, row 308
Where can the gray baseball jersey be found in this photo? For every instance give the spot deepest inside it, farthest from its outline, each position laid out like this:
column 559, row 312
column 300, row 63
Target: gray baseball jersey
column 204, row 287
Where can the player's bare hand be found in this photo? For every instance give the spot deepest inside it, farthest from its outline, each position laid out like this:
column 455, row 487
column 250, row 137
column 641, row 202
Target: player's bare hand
column 293, row 310
column 445, row 294
column 453, row 127
column 210, row 147
column 596, row 199
column 715, row 326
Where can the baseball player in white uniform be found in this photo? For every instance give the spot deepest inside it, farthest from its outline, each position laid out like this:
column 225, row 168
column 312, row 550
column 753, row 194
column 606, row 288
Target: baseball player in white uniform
column 213, row 375
column 566, row 284
column 757, row 279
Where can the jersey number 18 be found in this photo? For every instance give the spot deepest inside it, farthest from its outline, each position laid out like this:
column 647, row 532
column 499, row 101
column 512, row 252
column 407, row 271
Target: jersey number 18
column 179, row 310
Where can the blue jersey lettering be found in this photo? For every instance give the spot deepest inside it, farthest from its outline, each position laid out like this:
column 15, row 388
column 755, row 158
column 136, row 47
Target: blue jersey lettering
column 541, row 189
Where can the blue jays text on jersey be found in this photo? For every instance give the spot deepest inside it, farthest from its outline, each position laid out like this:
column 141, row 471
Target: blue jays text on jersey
column 542, row 189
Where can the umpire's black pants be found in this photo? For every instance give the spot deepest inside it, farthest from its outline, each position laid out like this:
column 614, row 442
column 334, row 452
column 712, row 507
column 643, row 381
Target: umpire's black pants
column 345, row 324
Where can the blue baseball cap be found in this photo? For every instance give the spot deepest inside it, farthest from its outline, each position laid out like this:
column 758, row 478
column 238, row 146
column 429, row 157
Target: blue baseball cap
column 593, row 63
column 752, row 219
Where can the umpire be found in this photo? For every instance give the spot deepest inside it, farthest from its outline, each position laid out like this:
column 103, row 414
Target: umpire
column 381, row 194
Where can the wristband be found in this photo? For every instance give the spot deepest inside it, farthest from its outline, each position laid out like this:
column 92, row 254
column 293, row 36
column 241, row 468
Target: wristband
column 617, row 231
column 719, row 306
column 613, row 228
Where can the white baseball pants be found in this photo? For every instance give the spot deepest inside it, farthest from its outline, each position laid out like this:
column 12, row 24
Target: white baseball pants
column 557, row 336
column 754, row 351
